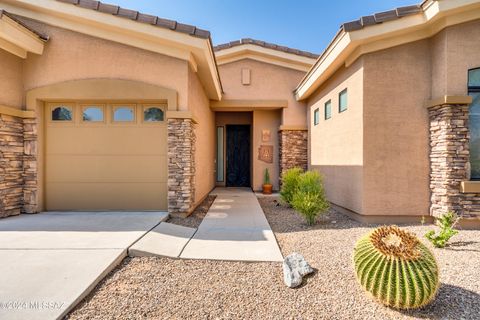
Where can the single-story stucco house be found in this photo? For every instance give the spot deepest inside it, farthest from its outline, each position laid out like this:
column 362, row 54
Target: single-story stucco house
column 105, row 108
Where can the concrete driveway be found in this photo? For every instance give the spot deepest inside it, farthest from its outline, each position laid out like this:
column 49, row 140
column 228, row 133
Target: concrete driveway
column 51, row 261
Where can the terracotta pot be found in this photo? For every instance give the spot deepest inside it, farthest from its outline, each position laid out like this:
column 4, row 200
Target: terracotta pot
column 267, row 189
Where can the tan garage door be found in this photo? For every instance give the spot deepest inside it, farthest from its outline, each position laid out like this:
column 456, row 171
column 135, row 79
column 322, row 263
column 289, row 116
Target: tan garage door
column 102, row 156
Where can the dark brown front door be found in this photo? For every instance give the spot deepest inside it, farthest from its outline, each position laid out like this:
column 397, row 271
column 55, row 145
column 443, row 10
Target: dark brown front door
column 238, row 156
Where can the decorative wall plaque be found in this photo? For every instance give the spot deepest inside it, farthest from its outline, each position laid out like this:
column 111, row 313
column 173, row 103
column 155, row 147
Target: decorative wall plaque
column 266, row 135
column 265, row 154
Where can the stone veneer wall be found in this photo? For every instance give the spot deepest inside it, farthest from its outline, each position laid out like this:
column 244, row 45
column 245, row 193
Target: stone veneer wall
column 449, row 161
column 30, row 146
column 18, row 171
column 293, row 150
column 181, row 166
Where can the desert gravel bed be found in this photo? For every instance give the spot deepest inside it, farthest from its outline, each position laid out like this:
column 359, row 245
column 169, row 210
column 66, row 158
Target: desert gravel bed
column 157, row 288
column 194, row 220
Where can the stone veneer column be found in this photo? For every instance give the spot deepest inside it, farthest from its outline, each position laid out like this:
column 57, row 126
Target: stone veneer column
column 11, row 165
column 449, row 160
column 30, row 143
column 181, row 166
column 293, row 148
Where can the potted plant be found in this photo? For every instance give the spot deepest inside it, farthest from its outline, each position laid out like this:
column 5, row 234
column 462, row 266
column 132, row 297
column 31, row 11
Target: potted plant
column 267, row 186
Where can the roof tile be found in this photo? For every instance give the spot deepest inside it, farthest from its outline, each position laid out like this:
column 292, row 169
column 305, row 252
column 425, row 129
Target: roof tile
column 108, row 8
column 147, row 18
column 367, row 21
column 352, row 26
column 265, row 45
column 385, row 16
column 202, row 33
column 381, row 17
column 127, row 13
column 165, row 23
column 408, row 10
column 185, row 28
column 89, row 4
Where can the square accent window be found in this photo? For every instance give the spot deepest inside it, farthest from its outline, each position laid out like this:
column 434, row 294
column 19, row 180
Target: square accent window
column 474, row 78
column 328, row 109
column 342, row 101
column 62, row 113
column 316, row 117
column 124, row 114
column 153, row 114
column 92, row 114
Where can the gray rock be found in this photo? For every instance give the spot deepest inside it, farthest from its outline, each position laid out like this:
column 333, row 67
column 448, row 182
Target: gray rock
column 294, row 268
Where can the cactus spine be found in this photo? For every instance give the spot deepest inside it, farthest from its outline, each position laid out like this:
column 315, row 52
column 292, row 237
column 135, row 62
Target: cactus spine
column 396, row 268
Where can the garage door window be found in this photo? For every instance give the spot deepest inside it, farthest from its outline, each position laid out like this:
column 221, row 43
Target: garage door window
column 124, row 114
column 62, row 113
column 93, row 114
column 153, row 114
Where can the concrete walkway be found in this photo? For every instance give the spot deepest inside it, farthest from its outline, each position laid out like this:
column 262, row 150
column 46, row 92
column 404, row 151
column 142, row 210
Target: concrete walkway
column 235, row 228
column 165, row 240
column 49, row 262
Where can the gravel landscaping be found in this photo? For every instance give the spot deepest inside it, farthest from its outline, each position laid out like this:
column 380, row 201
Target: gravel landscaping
column 158, row 288
column 194, row 220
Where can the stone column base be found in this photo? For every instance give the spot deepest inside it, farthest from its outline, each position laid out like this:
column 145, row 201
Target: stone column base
column 450, row 161
column 293, row 148
column 181, row 166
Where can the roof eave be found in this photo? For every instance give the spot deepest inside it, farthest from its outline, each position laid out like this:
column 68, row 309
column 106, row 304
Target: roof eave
column 344, row 48
column 262, row 54
column 149, row 37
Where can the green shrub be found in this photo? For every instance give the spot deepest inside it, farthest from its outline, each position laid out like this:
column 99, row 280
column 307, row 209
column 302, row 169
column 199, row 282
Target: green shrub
column 266, row 177
column 446, row 223
column 309, row 196
column 289, row 184
column 396, row 268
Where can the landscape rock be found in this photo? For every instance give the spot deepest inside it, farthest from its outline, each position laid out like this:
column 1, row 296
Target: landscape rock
column 294, row 269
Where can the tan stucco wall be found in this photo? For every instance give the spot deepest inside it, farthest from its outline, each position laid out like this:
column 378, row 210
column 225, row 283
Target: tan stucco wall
column 396, row 138
column 205, row 134
column 70, row 55
column 265, row 120
column 335, row 145
column 11, row 87
column 454, row 50
column 268, row 82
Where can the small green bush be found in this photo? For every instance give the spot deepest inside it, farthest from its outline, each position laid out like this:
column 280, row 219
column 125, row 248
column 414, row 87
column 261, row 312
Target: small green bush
column 446, row 223
column 266, row 177
column 289, row 184
column 309, row 197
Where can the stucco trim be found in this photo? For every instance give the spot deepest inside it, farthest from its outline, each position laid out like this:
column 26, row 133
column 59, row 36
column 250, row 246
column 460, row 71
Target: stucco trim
column 470, row 187
column 346, row 47
column 247, row 105
column 292, row 128
column 17, row 39
column 16, row 112
column 181, row 115
column 102, row 89
column 452, row 100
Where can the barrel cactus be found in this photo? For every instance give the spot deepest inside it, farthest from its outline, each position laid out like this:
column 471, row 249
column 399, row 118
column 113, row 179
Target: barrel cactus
column 396, row 268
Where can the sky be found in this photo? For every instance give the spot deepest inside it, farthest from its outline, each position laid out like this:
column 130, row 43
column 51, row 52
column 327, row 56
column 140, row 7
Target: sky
column 302, row 24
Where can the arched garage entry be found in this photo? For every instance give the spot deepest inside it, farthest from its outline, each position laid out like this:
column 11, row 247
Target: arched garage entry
column 102, row 145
